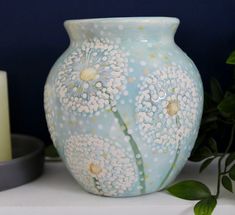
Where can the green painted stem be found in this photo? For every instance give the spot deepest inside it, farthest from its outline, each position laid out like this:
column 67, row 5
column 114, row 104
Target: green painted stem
column 136, row 151
column 175, row 159
column 95, row 183
column 171, row 168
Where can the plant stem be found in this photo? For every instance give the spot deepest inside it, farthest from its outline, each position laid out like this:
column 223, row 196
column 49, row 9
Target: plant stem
column 135, row 149
column 219, row 177
column 230, row 143
column 224, row 173
column 211, row 110
column 225, row 122
column 220, row 173
column 230, row 140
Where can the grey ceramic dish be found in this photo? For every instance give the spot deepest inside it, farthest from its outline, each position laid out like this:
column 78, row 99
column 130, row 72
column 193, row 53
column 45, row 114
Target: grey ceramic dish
column 26, row 165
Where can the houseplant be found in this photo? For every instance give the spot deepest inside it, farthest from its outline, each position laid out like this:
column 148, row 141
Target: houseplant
column 217, row 129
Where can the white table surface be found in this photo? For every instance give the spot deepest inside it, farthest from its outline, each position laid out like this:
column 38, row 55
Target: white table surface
column 57, row 193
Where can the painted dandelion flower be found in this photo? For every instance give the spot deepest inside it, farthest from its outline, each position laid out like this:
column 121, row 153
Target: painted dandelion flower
column 166, row 107
column 50, row 114
column 92, row 77
column 100, row 167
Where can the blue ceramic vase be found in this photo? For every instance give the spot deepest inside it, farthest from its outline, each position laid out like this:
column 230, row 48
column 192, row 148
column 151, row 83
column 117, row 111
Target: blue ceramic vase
column 123, row 104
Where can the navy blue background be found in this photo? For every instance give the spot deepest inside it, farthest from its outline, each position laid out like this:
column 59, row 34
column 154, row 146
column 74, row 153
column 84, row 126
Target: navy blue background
column 32, row 37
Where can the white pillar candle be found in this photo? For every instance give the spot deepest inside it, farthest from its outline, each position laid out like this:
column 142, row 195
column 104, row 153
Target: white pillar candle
column 5, row 138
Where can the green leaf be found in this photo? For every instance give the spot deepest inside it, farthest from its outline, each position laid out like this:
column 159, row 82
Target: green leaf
column 209, row 119
column 231, row 58
column 212, row 144
column 209, row 127
column 216, row 90
column 208, row 102
column 205, row 164
column 205, row 206
column 232, row 172
column 200, row 140
column 227, row 105
column 51, row 151
column 190, row 190
column 227, row 183
column 230, row 159
column 201, row 153
column 233, row 86
column 228, row 94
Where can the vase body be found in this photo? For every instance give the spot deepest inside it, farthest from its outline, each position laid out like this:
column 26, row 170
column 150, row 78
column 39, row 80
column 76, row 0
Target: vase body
column 123, row 105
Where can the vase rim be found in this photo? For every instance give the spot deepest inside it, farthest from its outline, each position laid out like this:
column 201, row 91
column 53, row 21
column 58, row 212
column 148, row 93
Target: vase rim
column 139, row 20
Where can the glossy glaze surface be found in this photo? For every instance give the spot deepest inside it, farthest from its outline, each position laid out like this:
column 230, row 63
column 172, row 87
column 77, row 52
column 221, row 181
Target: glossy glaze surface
column 123, row 104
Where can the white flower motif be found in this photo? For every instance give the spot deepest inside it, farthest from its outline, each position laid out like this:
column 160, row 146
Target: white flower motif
column 99, row 165
column 50, row 114
column 92, row 77
column 166, row 107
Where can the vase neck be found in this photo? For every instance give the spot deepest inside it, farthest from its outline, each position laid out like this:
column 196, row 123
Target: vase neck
column 149, row 29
